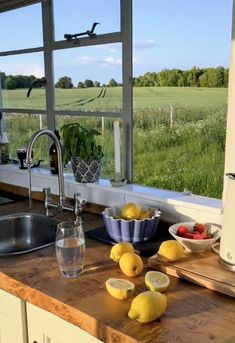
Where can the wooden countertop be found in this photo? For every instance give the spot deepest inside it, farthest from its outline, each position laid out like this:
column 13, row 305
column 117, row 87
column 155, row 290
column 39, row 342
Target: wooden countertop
column 194, row 314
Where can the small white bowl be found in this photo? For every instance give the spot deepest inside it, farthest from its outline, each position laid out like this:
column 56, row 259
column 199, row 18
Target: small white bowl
column 196, row 245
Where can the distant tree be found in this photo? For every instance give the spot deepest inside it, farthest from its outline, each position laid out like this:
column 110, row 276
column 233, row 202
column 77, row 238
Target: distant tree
column 113, row 83
column 203, row 79
column 174, row 76
column 10, row 82
column 193, row 76
column 182, row 81
column 88, row 83
column 2, row 79
column 64, row 82
column 80, row 84
column 96, row 84
column 163, row 77
column 225, row 77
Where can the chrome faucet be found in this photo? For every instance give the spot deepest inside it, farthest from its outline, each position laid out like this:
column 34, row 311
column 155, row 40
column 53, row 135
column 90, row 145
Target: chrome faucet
column 28, row 161
column 79, row 201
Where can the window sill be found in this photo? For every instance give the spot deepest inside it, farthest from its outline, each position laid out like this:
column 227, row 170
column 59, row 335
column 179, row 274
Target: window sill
column 175, row 206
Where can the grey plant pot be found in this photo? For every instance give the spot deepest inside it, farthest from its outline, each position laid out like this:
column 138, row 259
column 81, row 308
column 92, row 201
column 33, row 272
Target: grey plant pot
column 85, row 171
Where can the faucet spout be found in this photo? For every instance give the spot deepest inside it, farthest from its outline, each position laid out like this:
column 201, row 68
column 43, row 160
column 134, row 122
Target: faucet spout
column 28, row 159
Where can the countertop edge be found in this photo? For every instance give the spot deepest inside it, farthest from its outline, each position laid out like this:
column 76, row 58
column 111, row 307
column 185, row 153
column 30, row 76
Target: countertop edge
column 66, row 312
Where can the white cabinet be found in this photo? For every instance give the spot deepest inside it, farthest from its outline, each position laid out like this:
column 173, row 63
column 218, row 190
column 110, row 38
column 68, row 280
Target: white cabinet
column 45, row 327
column 12, row 319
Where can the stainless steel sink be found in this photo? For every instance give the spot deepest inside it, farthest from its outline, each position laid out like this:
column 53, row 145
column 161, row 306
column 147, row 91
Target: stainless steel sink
column 25, row 232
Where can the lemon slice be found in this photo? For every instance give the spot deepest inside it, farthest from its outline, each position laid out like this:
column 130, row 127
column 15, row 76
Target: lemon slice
column 156, row 281
column 119, row 288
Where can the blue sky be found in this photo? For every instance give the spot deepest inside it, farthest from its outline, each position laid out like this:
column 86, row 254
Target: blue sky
column 166, row 33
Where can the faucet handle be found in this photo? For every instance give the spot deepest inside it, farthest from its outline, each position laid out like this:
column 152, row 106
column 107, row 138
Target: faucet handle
column 79, row 202
column 47, row 193
column 79, row 199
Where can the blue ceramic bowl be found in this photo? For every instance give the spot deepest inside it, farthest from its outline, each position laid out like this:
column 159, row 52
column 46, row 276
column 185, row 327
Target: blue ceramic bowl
column 121, row 230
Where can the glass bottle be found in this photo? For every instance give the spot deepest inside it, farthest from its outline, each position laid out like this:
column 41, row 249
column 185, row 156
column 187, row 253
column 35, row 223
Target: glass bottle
column 4, row 148
column 53, row 156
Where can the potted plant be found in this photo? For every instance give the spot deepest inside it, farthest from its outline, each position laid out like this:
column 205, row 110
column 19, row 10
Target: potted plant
column 81, row 148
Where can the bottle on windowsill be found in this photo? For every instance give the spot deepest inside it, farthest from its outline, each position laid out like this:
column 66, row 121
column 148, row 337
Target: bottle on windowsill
column 4, row 148
column 53, row 156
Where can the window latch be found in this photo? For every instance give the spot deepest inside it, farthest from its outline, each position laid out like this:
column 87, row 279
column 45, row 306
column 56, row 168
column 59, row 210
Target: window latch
column 74, row 37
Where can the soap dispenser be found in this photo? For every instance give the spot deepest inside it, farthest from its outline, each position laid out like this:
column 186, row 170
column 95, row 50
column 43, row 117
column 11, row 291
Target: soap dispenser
column 227, row 241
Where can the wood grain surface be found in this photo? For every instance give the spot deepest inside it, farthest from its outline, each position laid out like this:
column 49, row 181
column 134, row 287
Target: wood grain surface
column 194, row 313
column 203, row 269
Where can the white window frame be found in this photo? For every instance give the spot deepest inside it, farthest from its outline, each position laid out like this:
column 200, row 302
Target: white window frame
column 125, row 38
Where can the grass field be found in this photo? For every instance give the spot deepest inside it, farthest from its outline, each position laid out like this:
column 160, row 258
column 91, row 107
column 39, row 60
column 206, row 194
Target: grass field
column 179, row 133
column 110, row 98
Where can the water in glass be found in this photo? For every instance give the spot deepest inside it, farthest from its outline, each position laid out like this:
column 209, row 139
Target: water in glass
column 70, row 249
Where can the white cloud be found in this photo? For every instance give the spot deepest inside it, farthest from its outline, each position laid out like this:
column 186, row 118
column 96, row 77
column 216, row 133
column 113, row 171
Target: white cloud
column 145, row 44
column 108, row 47
column 112, row 61
column 23, row 68
column 34, row 70
column 107, row 61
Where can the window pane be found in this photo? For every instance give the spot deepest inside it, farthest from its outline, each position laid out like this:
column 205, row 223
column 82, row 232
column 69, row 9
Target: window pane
column 17, row 74
column 180, row 94
column 78, row 16
column 20, row 127
column 21, row 28
column 89, row 79
column 106, row 140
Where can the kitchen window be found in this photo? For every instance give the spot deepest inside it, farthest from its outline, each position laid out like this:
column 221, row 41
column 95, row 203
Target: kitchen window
column 153, row 153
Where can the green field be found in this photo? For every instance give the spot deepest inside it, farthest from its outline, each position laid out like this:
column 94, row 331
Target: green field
column 89, row 99
column 179, row 133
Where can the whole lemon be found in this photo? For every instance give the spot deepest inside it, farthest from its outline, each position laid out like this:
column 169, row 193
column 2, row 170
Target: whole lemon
column 144, row 214
column 148, row 306
column 131, row 264
column 130, row 211
column 172, row 250
column 119, row 249
column 119, row 288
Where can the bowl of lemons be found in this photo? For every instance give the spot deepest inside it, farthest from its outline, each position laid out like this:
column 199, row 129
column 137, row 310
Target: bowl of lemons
column 131, row 222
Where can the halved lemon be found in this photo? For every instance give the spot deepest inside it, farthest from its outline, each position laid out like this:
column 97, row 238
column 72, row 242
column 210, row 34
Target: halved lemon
column 119, row 288
column 156, row 281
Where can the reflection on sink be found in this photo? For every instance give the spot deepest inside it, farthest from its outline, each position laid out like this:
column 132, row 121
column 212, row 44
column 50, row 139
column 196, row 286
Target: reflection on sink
column 26, row 232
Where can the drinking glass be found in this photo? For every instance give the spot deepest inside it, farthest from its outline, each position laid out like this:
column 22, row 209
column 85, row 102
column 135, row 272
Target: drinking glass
column 70, row 248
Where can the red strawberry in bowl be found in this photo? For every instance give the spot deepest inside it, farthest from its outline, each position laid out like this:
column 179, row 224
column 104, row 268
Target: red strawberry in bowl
column 195, row 237
column 182, row 231
column 199, row 227
column 189, row 235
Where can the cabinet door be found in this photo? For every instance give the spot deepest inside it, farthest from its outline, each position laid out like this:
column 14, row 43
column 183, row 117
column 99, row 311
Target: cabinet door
column 12, row 319
column 45, row 327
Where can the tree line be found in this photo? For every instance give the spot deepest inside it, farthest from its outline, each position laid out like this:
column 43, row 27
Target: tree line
column 65, row 82
column 195, row 77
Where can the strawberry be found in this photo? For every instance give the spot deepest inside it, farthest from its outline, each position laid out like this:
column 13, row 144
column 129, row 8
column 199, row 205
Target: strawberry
column 188, row 235
column 197, row 235
column 199, row 227
column 205, row 235
column 182, row 230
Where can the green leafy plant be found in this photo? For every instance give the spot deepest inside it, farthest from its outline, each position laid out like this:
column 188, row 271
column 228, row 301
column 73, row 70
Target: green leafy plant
column 79, row 141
